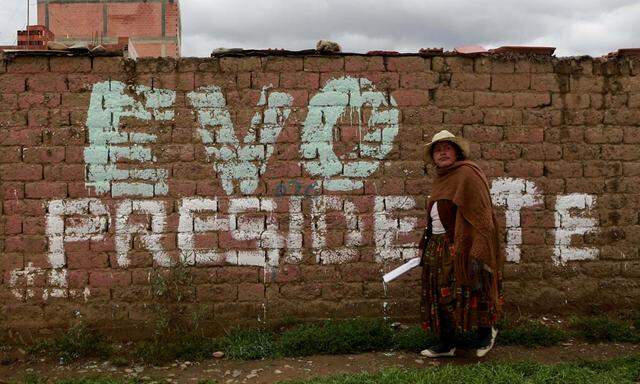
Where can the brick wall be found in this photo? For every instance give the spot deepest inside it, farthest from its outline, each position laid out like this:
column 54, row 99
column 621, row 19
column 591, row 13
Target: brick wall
column 154, row 25
column 289, row 185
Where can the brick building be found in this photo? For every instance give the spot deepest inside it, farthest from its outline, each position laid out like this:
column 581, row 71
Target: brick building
column 34, row 37
column 152, row 26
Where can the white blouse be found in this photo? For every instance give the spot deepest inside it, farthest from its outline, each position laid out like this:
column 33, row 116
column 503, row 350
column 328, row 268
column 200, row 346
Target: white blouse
column 436, row 225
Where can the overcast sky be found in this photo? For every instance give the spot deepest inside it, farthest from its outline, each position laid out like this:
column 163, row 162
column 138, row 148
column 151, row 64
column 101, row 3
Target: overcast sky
column 575, row 27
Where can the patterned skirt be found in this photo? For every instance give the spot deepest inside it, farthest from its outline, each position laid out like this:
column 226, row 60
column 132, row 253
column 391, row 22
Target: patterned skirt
column 447, row 305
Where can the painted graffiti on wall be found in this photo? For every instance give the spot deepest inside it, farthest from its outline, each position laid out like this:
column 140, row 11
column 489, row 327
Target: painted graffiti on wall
column 514, row 194
column 572, row 217
column 250, row 230
column 236, row 162
column 368, row 112
column 109, row 144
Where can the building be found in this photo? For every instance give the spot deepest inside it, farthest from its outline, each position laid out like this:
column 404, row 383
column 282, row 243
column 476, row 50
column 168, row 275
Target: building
column 35, row 37
column 152, row 26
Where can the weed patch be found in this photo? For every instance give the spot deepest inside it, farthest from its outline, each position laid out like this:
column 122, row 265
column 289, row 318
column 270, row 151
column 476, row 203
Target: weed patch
column 532, row 334
column 177, row 327
column 249, row 344
column 78, row 342
column 604, row 329
column 413, row 339
column 336, row 337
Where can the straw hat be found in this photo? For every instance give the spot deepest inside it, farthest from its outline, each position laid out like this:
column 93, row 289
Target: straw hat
column 445, row 135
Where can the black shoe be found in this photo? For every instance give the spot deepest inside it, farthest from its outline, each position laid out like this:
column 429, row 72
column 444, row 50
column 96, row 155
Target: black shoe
column 486, row 343
column 440, row 350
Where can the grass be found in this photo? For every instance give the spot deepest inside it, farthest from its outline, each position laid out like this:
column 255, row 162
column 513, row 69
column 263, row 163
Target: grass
column 336, row 337
column 533, row 334
column 617, row 371
column 78, row 342
column 601, row 328
column 329, row 338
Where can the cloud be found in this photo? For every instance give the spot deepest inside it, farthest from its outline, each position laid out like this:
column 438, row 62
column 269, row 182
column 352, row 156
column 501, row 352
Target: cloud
column 575, row 27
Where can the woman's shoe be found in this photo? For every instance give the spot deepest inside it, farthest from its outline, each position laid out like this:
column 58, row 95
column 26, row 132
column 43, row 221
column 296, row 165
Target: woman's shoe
column 487, row 343
column 440, row 350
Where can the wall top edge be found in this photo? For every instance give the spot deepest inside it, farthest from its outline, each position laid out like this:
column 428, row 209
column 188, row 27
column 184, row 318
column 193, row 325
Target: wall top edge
column 623, row 54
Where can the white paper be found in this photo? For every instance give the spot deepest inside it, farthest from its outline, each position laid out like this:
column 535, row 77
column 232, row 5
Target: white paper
column 401, row 270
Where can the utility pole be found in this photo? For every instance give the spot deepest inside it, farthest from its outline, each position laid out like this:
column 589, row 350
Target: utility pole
column 28, row 35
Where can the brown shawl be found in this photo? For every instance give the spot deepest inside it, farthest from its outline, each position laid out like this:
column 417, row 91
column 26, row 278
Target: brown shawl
column 476, row 228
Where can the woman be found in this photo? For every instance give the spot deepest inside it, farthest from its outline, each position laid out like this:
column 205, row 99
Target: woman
column 462, row 262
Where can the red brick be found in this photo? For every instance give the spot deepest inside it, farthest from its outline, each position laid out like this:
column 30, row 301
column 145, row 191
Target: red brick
column 601, row 168
column 24, row 207
column 108, row 64
column 45, row 189
column 240, row 64
column 587, row 84
column 216, row 292
column 25, row 172
column 70, row 64
column 243, row 80
column 470, row 81
column 13, row 84
column 65, row 172
column 500, row 151
column 26, row 244
column 16, row 119
column 563, row 169
column 407, row 64
column 10, row 154
column 8, row 102
column 545, row 82
column 510, row 82
column 44, row 155
column 451, row 98
column 523, row 168
column 571, row 101
column 459, row 64
column 301, row 291
column 542, row 117
column 109, row 279
column 620, row 152
column 264, row 79
column 363, row 63
column 464, row 116
column 419, row 80
column 28, row 65
column 33, row 226
column 575, row 151
column 30, row 100
column 323, row 64
column 36, row 118
column 87, row 260
column 493, row 99
column 410, row 97
column 524, row 134
column 493, row 65
column 483, row 134
column 251, row 292
column 47, row 82
column 12, row 225
column 84, row 82
column 422, row 115
column 14, row 190
column 304, row 80
column 283, row 64
column 360, row 272
column 531, row 100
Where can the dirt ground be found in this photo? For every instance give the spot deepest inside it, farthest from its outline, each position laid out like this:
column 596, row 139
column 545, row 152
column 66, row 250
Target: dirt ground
column 270, row 371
